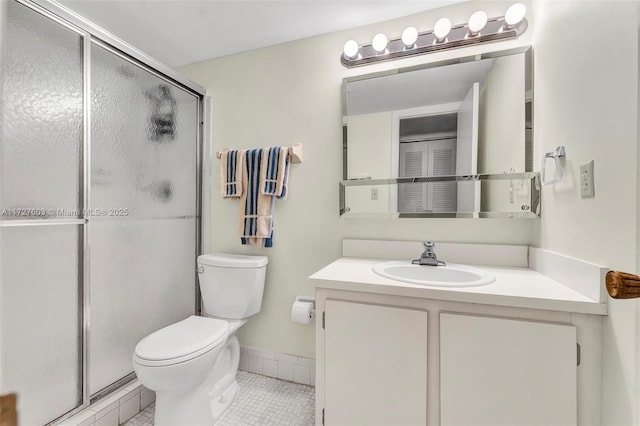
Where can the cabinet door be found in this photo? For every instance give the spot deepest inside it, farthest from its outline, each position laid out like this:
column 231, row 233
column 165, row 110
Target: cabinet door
column 375, row 365
column 506, row 372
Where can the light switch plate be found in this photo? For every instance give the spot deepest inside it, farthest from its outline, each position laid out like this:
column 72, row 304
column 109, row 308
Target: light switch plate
column 587, row 189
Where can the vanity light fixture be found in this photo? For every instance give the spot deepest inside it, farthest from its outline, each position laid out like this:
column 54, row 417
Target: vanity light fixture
column 477, row 22
column 444, row 36
column 379, row 43
column 515, row 14
column 351, row 49
column 442, row 29
column 409, row 37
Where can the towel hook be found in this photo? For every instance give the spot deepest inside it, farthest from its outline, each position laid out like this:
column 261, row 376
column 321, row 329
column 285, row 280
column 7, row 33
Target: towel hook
column 555, row 155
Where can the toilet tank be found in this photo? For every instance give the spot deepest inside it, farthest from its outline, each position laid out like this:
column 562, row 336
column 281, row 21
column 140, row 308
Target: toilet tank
column 232, row 285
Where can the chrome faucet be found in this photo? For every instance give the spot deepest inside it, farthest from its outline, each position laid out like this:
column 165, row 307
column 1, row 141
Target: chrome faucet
column 428, row 257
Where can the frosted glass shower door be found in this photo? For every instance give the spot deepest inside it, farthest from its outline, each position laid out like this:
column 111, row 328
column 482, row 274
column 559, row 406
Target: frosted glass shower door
column 142, row 232
column 40, row 249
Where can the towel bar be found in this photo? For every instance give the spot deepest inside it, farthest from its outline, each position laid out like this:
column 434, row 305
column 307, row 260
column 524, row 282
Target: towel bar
column 622, row 285
column 295, row 152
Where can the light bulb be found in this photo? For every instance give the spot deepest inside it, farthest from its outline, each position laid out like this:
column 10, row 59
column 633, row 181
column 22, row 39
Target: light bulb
column 351, row 49
column 409, row 36
column 379, row 43
column 477, row 22
column 442, row 29
column 514, row 15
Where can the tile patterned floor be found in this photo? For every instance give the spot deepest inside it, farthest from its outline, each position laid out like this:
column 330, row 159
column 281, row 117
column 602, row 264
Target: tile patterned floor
column 261, row 401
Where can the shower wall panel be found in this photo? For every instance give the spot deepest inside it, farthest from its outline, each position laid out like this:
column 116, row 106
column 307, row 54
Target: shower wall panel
column 40, row 176
column 39, row 320
column 41, row 117
column 144, row 135
column 98, row 233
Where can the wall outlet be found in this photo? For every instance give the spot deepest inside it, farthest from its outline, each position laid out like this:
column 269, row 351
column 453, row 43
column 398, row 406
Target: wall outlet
column 586, row 180
column 374, row 194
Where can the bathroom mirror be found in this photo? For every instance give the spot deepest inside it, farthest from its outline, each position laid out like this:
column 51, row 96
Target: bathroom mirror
column 462, row 117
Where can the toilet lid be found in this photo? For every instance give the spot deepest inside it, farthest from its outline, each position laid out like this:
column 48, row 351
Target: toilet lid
column 182, row 338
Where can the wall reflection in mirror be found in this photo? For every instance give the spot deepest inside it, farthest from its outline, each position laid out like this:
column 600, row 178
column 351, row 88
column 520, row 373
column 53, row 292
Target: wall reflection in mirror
column 465, row 117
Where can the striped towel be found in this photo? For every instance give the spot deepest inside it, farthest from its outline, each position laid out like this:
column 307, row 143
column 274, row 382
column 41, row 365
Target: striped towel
column 274, row 174
column 231, row 173
column 256, row 220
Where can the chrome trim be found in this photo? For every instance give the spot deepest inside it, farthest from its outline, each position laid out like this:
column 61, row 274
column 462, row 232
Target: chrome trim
column 66, row 415
column 496, row 29
column 204, row 219
column 200, row 179
column 468, row 215
column 113, row 387
column 46, row 13
column 97, row 32
column 427, row 179
column 134, row 61
column 531, row 211
column 37, row 222
column 436, row 64
column 96, row 219
column 86, row 203
column 207, row 152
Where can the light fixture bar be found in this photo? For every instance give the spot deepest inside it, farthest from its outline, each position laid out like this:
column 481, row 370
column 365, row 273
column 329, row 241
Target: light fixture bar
column 459, row 36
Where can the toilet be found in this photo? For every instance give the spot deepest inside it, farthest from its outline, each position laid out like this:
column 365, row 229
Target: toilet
column 192, row 364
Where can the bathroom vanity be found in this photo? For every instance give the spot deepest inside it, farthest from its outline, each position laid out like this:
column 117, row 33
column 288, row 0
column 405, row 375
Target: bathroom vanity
column 524, row 349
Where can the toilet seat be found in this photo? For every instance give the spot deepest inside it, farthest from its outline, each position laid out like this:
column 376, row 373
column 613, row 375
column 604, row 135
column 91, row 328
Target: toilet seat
column 181, row 341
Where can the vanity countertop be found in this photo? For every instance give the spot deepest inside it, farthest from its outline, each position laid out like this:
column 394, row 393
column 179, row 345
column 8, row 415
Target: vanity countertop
column 514, row 286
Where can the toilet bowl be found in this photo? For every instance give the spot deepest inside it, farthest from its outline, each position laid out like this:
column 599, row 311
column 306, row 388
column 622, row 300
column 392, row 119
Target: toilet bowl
column 192, row 364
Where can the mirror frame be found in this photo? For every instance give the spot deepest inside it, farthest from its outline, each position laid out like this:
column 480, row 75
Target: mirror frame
column 529, row 91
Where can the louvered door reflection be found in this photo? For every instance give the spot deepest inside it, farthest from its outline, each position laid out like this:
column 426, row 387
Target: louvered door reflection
column 427, row 158
column 442, row 162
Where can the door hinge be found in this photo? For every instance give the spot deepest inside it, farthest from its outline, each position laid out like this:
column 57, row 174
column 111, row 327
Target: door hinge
column 323, row 320
column 323, row 416
column 578, row 354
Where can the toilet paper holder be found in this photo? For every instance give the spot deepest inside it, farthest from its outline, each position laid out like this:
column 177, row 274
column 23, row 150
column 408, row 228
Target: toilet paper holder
column 305, row 299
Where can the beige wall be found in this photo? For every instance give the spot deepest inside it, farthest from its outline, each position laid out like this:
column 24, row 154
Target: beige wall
column 501, row 128
column 369, row 153
column 292, row 93
column 585, row 99
column 501, row 132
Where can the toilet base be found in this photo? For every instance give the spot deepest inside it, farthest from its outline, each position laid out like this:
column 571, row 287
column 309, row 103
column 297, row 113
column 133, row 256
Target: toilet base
column 222, row 403
column 203, row 403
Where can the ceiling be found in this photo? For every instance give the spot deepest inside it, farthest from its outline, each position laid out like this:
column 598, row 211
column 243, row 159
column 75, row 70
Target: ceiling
column 180, row 32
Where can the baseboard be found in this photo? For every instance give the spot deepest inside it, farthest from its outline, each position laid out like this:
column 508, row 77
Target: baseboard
column 292, row 368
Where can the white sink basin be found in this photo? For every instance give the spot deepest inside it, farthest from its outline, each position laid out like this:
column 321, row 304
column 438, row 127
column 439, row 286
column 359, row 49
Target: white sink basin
column 451, row 275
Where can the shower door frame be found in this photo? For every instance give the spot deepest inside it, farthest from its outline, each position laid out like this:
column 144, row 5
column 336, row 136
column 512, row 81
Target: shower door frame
column 92, row 34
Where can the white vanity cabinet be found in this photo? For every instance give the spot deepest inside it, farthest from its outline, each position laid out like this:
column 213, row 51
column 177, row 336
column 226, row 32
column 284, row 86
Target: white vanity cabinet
column 394, row 360
column 496, row 371
column 375, row 364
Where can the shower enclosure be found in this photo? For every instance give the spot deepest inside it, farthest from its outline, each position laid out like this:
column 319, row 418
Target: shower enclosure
column 100, row 168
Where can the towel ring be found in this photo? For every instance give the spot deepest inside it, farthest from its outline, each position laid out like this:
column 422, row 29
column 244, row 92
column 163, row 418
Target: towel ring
column 555, row 155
